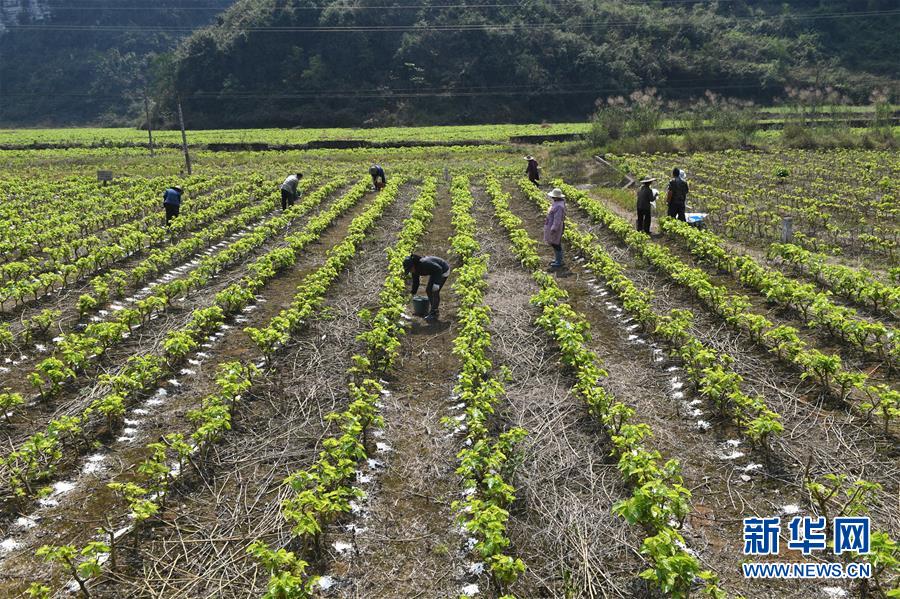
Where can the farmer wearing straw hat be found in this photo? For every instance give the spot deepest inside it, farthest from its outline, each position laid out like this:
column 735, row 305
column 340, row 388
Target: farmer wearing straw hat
column 555, row 224
column 644, row 198
column 172, row 202
column 532, row 170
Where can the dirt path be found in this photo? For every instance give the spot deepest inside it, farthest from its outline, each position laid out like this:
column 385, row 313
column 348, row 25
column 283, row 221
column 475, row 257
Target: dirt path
column 407, row 542
column 182, row 392
column 561, row 525
column 199, row 548
column 726, row 478
column 79, row 393
column 829, row 438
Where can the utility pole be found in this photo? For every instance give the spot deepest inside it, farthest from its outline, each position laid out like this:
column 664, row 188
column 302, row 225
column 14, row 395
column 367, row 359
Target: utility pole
column 187, row 156
column 147, row 116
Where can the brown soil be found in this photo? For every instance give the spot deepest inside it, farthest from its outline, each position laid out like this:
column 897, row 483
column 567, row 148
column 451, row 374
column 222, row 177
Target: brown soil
column 409, row 544
column 231, row 344
column 712, row 467
column 561, row 525
column 198, row 549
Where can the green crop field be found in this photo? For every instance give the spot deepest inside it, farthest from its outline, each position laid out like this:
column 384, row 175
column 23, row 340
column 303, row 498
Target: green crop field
column 243, row 403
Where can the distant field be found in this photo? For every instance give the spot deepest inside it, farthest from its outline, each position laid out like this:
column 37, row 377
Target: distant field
column 480, row 133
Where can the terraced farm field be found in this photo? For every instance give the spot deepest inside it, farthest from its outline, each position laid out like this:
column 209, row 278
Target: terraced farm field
column 243, row 404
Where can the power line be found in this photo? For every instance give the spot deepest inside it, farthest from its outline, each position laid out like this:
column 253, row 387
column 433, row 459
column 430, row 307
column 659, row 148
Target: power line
column 426, row 28
column 349, row 7
column 401, row 94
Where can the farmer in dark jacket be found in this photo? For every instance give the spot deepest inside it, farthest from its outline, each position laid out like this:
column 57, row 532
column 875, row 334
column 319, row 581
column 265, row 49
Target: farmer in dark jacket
column 644, row 198
column 172, row 202
column 532, row 170
column 378, row 178
column 437, row 270
column 676, row 196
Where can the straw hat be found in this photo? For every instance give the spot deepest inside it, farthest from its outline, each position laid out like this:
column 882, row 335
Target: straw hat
column 177, row 188
column 648, row 180
column 529, row 157
column 556, row 194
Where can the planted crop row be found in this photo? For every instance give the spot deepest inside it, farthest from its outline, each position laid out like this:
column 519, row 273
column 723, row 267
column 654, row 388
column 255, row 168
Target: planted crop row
column 486, row 462
column 75, row 350
column 839, row 200
column 47, row 214
column 36, row 460
column 783, row 341
column 114, row 282
column 71, row 261
column 816, row 308
column 310, row 294
column 856, row 284
column 709, row 369
column 323, row 492
column 659, row 502
column 144, row 496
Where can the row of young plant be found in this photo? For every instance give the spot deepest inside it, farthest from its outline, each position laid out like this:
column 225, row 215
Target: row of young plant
column 206, row 231
column 858, row 285
column 660, row 502
column 487, row 462
column 816, row 308
column 75, row 350
column 852, row 207
column 709, row 369
column 68, row 262
column 143, row 491
column 50, row 212
column 323, row 492
column 36, row 459
column 113, row 283
column 311, row 292
column 783, row 341
column 145, row 496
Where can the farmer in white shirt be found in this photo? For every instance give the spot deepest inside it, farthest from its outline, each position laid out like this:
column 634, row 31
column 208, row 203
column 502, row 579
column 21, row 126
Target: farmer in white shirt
column 289, row 190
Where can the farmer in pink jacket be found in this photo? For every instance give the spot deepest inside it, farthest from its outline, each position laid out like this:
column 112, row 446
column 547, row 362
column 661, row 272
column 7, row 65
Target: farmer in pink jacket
column 555, row 224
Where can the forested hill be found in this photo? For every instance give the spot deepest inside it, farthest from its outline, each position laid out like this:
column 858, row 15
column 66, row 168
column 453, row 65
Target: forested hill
column 87, row 61
column 352, row 62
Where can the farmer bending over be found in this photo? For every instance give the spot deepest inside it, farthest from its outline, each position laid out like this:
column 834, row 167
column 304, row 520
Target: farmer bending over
column 437, row 270
column 289, row 190
column 378, row 178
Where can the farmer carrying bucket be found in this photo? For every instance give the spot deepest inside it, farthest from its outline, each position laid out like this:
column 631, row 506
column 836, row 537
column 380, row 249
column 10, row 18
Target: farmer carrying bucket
column 437, row 270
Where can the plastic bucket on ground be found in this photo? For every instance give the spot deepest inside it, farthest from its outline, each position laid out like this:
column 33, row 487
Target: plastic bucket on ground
column 420, row 305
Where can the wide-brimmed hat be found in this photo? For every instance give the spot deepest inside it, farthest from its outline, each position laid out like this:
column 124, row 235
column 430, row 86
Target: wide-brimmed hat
column 648, row 180
column 177, row 188
column 556, row 194
column 529, row 157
